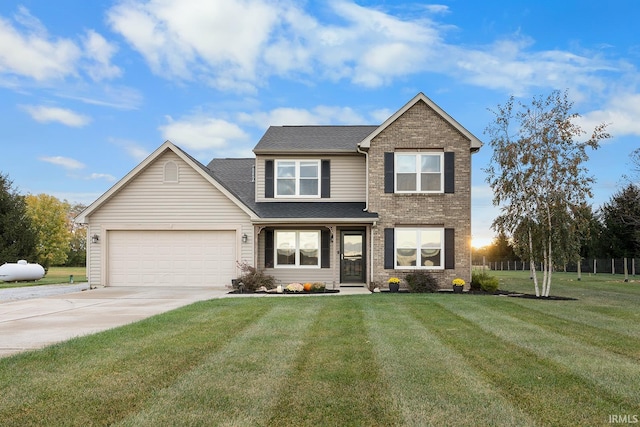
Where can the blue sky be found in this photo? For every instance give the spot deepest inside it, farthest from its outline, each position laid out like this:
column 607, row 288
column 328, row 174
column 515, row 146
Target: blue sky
column 89, row 88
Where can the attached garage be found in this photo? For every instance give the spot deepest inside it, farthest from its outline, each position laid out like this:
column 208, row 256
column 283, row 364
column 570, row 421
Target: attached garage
column 171, row 257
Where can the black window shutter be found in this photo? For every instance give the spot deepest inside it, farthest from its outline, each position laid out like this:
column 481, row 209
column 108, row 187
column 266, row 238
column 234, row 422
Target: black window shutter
column 325, row 183
column 388, row 248
column 268, row 179
column 449, row 248
column 388, row 173
column 449, row 172
column 325, row 249
column 268, row 248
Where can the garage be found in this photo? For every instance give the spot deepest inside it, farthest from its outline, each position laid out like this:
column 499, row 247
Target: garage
column 171, row 257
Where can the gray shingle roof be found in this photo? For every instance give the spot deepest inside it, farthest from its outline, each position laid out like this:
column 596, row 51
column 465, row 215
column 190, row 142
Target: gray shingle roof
column 236, row 176
column 294, row 139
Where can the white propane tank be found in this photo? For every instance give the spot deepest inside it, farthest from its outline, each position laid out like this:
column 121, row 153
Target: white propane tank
column 21, row 270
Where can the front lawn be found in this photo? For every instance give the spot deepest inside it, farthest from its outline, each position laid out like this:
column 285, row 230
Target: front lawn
column 54, row 276
column 370, row 360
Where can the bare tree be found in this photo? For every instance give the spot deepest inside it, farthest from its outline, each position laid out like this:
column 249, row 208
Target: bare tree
column 539, row 180
column 634, row 170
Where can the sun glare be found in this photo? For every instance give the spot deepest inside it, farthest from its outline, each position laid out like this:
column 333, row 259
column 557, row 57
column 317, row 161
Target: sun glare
column 480, row 242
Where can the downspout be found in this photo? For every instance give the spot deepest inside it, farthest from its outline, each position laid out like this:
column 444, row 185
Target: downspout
column 366, row 209
column 366, row 168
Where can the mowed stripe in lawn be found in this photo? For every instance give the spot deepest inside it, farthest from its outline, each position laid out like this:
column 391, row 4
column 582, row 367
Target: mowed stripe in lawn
column 583, row 325
column 614, row 312
column 238, row 384
column 336, row 379
column 102, row 378
column 544, row 372
column 430, row 381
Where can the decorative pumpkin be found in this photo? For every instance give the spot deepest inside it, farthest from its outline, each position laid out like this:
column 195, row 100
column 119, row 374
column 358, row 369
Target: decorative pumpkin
column 307, row 287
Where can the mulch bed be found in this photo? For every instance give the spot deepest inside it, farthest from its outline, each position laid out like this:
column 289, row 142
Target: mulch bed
column 326, row 291
column 522, row 295
column 496, row 293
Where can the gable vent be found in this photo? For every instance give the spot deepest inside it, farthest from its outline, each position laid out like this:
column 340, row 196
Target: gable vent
column 170, row 172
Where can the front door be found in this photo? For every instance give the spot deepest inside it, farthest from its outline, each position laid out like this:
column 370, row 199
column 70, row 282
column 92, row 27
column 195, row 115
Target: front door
column 352, row 256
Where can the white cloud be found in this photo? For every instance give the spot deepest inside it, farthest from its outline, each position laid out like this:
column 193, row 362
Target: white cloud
column 101, row 176
column 237, row 45
column 99, row 52
column 132, row 148
column 118, row 97
column 621, row 112
column 202, row 133
column 380, row 115
column 33, row 53
column 186, row 38
column 319, row 115
column 27, row 50
column 437, row 8
column 43, row 114
column 65, row 162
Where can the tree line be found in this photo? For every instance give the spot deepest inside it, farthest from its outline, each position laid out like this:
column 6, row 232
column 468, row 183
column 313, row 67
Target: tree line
column 39, row 228
column 610, row 231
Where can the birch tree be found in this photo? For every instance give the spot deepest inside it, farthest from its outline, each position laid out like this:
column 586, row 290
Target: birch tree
column 539, row 180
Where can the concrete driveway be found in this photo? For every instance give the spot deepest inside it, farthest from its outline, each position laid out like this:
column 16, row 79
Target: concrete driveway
column 37, row 322
column 32, row 318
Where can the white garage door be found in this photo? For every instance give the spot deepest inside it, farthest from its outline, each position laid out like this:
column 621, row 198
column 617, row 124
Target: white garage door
column 171, row 258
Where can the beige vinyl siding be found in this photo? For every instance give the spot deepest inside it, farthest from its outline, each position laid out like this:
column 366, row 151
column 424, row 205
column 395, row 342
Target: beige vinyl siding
column 348, row 178
column 146, row 202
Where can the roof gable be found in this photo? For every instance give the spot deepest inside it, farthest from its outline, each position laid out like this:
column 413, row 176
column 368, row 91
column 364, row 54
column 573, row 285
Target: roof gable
column 167, row 145
column 476, row 144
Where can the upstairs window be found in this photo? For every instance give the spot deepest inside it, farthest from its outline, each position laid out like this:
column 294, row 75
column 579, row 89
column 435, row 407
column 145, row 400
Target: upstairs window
column 419, row 172
column 297, row 178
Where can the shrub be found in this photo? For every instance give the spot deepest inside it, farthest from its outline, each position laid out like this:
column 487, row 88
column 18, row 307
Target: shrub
column 421, row 282
column 252, row 279
column 318, row 287
column 490, row 284
column 480, row 280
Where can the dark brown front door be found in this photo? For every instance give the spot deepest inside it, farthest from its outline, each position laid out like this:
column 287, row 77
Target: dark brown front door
column 352, row 256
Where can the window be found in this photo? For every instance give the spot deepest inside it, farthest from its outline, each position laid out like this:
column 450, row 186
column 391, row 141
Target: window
column 297, row 248
column 297, row 178
column 170, row 172
column 419, row 248
column 419, row 172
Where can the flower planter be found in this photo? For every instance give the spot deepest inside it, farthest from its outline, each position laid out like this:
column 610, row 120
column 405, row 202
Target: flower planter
column 394, row 287
column 457, row 289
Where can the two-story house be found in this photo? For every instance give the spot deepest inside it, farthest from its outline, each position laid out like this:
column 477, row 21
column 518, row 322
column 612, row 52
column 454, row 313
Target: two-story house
column 344, row 205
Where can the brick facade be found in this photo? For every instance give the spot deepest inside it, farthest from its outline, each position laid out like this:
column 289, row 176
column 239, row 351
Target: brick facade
column 422, row 128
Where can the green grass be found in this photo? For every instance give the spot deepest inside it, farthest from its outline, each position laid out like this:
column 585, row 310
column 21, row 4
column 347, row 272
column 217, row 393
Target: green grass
column 371, row 360
column 55, row 275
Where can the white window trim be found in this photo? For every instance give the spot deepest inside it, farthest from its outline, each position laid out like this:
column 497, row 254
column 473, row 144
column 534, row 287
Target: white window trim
column 297, row 194
column 418, row 181
column 297, row 249
column 418, row 267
